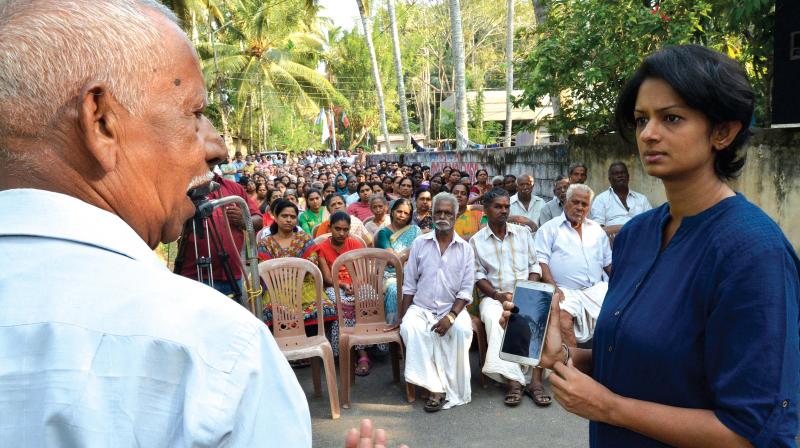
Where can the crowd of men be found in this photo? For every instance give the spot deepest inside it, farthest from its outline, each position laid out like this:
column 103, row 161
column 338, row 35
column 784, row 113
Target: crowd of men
column 451, row 270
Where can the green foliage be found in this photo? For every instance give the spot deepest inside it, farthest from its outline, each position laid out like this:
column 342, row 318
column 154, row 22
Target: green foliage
column 587, row 49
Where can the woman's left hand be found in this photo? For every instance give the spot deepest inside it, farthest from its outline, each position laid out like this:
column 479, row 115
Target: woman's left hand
column 580, row 394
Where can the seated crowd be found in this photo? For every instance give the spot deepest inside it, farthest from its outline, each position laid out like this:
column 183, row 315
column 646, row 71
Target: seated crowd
column 464, row 242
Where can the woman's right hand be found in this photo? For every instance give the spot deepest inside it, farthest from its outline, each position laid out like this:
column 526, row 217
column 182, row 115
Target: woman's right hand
column 553, row 351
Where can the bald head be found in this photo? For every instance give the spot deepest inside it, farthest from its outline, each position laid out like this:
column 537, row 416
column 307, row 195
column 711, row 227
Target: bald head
column 49, row 49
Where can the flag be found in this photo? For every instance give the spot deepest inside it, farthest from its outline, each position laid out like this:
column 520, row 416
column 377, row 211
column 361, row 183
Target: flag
column 322, row 120
column 345, row 120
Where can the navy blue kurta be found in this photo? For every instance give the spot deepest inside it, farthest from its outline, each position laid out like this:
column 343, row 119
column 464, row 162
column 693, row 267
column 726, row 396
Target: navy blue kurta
column 711, row 322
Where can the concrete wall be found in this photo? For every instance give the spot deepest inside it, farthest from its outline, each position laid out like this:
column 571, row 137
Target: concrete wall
column 770, row 179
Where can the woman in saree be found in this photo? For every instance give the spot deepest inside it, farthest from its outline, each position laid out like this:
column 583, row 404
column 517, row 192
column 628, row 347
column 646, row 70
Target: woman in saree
column 315, row 213
column 470, row 217
column 285, row 241
column 396, row 238
column 329, row 250
column 481, row 186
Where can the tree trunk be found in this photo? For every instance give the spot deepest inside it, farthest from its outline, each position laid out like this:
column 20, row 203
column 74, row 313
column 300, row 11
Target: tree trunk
column 555, row 97
column 462, row 133
column 509, row 69
column 367, row 24
column 398, row 68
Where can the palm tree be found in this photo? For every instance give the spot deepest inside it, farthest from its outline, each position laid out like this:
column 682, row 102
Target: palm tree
column 462, row 133
column 398, row 68
column 367, row 24
column 509, row 69
column 265, row 55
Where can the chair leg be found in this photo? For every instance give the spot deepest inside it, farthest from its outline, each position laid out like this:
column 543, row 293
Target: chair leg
column 344, row 371
column 411, row 392
column 315, row 373
column 482, row 353
column 395, row 353
column 330, row 379
column 353, row 363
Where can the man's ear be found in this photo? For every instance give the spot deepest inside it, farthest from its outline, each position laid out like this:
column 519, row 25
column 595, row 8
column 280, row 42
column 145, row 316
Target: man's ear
column 98, row 118
column 724, row 133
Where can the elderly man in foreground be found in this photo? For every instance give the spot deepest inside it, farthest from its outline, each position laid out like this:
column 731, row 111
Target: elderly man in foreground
column 574, row 252
column 437, row 332
column 101, row 134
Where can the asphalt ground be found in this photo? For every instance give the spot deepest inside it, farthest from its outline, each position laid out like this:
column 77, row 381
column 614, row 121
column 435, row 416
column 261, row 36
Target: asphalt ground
column 485, row 422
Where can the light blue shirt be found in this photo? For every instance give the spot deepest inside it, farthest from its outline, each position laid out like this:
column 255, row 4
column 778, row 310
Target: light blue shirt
column 101, row 346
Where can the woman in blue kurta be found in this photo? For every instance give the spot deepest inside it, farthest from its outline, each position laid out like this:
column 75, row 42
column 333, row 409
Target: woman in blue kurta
column 697, row 342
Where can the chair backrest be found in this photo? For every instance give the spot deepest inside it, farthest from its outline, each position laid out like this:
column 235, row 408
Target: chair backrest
column 284, row 284
column 366, row 268
column 321, row 239
column 359, row 239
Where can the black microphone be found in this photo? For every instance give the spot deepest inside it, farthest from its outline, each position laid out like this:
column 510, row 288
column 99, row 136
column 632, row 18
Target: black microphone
column 200, row 193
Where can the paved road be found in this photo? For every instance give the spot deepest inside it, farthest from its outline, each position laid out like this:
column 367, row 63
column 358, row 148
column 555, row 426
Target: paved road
column 485, row 422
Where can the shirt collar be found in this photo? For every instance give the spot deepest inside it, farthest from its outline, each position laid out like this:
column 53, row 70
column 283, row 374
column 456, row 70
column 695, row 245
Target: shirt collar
column 510, row 229
column 432, row 236
column 40, row 213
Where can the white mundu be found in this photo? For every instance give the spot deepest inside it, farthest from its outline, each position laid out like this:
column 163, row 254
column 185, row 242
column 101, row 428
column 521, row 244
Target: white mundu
column 502, row 263
column 102, row 346
column 440, row 364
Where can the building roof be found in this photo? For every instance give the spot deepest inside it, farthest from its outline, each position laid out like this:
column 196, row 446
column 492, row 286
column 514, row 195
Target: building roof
column 494, row 106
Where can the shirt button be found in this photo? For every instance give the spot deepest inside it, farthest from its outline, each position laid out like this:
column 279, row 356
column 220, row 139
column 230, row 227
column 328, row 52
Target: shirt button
column 785, row 403
column 610, row 348
column 616, row 313
column 637, row 285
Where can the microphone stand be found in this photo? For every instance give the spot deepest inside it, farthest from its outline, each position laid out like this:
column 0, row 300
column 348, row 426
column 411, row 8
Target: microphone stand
column 250, row 297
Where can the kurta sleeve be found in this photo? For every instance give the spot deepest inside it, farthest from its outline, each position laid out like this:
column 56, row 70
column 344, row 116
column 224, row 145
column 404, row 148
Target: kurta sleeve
column 480, row 270
column 410, row 271
column 751, row 344
column 468, row 277
column 533, row 263
column 543, row 243
column 598, row 211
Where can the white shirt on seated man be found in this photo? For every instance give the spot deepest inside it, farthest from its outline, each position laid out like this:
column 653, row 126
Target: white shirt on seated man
column 574, row 252
column 437, row 331
column 619, row 204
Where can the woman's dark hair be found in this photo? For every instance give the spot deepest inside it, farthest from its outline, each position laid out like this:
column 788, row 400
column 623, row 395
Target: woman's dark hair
column 707, row 81
column 330, row 197
column 312, row 190
column 339, row 216
column 277, row 208
column 398, row 203
column 493, row 194
column 361, row 184
column 423, row 189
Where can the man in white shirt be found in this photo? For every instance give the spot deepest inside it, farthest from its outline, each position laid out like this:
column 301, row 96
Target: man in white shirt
column 504, row 254
column 574, row 253
column 617, row 205
column 555, row 206
column 437, row 284
column 526, row 206
column 102, row 345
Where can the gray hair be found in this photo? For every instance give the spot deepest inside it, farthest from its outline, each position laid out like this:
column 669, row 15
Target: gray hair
column 497, row 179
column 377, row 197
column 49, row 49
column 580, row 187
column 444, row 197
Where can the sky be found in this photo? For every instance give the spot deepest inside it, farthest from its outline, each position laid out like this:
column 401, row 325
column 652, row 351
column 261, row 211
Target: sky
column 343, row 12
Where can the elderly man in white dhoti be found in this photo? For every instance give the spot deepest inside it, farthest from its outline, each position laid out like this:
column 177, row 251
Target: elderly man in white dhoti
column 437, row 332
column 504, row 254
column 573, row 252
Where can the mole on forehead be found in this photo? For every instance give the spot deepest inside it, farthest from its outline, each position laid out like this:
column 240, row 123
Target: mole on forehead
column 177, row 82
